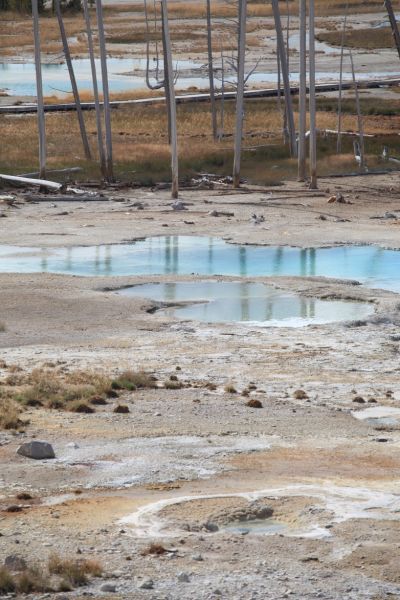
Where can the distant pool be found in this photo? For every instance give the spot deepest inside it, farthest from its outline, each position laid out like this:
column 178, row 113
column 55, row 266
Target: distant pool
column 128, row 74
column 219, row 301
column 185, row 255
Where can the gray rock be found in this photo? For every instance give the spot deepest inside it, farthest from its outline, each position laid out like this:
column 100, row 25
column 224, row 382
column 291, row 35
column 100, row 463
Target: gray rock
column 13, row 562
column 197, row 557
column 178, row 205
column 36, row 450
column 183, row 577
column 211, row 526
column 108, row 587
column 146, row 584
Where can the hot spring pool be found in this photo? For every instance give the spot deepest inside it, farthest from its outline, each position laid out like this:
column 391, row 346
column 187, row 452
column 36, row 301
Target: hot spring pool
column 185, row 255
column 219, row 301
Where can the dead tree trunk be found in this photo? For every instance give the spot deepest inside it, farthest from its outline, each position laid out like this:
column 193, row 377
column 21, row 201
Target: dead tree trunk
column 339, row 122
column 106, row 94
column 211, row 73
column 285, row 78
column 74, row 86
column 222, row 121
column 99, row 125
column 393, row 24
column 302, row 91
column 242, row 5
column 39, row 91
column 313, row 125
column 167, row 76
column 171, row 94
column 359, row 117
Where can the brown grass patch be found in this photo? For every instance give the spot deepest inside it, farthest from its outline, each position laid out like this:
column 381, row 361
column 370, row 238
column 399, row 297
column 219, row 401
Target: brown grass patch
column 134, row 380
column 371, row 39
column 155, row 549
column 74, row 572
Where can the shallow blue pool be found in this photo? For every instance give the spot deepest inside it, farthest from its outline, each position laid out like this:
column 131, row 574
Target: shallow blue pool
column 241, row 301
column 184, row 255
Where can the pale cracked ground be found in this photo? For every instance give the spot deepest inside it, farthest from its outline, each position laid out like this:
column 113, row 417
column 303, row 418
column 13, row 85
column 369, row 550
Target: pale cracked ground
column 184, row 458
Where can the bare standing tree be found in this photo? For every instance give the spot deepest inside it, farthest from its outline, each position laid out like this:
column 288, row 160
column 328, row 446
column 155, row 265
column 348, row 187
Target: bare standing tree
column 359, row 117
column 74, row 86
column 106, row 94
column 339, row 122
column 168, row 83
column 168, row 69
column 302, row 91
column 242, row 5
column 211, row 72
column 285, row 78
column 39, row 91
column 313, row 126
column 99, row 125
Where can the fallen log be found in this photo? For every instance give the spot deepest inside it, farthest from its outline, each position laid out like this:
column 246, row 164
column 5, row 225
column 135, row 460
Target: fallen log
column 55, row 171
column 65, row 198
column 51, row 185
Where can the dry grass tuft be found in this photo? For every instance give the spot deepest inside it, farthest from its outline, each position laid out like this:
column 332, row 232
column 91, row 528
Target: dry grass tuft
column 155, row 549
column 134, row 380
column 300, row 395
column 24, row 496
column 173, row 384
column 74, row 572
column 121, row 409
column 230, row 389
column 254, row 403
column 7, row 583
column 31, row 580
column 9, row 414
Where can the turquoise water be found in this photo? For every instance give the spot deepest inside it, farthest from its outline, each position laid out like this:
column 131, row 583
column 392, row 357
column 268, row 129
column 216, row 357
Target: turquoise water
column 219, row 301
column 185, row 255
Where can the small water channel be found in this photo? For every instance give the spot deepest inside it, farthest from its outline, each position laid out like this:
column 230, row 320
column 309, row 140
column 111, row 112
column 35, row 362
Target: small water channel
column 187, row 255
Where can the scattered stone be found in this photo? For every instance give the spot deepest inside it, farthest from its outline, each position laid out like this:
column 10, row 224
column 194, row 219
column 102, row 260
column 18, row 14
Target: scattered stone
column 322, row 218
column 178, row 205
column 13, row 508
column 183, row 577
column 13, row 562
column 256, row 220
column 72, row 445
column 108, row 587
column 311, row 558
column 197, row 557
column 36, row 450
column 212, row 527
column 359, row 400
column 254, row 403
column 146, row 584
